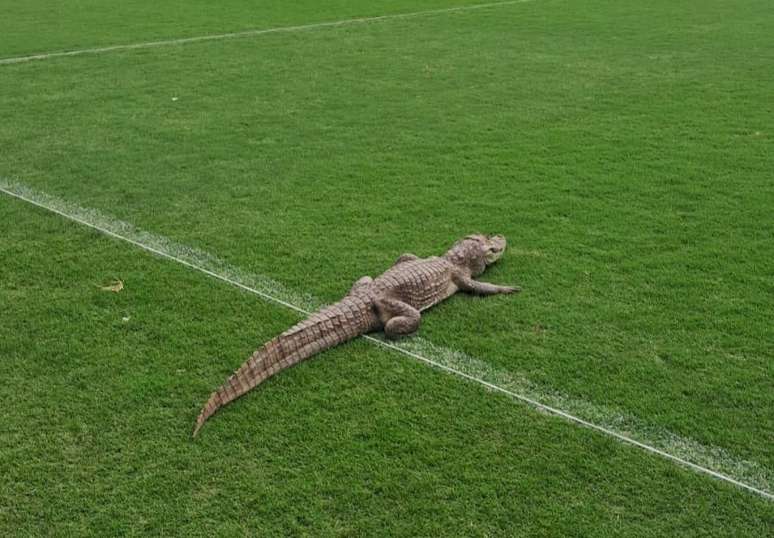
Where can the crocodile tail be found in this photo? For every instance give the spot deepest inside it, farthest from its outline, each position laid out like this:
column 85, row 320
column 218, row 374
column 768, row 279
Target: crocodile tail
column 323, row 330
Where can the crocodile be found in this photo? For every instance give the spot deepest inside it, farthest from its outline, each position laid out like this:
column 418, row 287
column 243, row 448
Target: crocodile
column 392, row 302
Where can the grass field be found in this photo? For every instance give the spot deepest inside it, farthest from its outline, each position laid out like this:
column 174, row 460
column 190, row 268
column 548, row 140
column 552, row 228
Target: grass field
column 625, row 149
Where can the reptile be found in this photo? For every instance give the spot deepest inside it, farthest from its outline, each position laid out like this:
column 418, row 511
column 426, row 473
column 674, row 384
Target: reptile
column 392, row 302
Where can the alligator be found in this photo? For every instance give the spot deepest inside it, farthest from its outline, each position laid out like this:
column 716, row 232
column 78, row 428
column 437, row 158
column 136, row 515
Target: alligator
column 392, row 302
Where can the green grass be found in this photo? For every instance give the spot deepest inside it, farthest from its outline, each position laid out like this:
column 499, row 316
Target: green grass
column 362, row 442
column 36, row 26
column 624, row 149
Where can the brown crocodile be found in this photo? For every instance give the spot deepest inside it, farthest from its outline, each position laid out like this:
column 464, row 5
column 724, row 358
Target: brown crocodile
column 392, row 303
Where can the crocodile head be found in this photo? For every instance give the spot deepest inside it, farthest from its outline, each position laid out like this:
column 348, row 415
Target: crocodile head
column 477, row 251
column 494, row 248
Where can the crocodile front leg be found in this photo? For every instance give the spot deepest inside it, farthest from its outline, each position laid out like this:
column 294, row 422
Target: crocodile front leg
column 465, row 283
column 399, row 318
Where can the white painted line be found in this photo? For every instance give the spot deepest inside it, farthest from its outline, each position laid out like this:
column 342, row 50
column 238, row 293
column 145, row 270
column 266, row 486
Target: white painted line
column 578, row 420
column 166, row 249
column 251, row 33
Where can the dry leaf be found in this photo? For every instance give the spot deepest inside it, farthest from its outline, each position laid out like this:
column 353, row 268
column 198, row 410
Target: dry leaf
column 115, row 286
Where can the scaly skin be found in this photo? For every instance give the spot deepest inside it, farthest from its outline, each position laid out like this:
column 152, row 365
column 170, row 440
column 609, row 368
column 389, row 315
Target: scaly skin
column 392, row 302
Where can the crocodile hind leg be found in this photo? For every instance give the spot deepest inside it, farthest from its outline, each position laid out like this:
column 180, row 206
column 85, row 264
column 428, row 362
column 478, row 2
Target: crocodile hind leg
column 405, row 258
column 363, row 281
column 399, row 318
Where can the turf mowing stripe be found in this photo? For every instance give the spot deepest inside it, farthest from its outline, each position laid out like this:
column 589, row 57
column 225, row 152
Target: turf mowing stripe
column 447, row 360
column 251, row 33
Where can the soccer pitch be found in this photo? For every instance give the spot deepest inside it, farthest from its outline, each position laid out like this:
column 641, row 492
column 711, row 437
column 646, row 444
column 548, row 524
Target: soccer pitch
column 235, row 162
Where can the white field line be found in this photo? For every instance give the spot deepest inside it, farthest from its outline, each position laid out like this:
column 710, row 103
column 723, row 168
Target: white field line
column 252, row 33
column 709, row 460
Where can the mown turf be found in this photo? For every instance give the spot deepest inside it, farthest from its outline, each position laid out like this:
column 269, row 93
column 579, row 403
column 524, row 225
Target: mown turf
column 624, row 149
column 101, row 390
column 35, row 26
